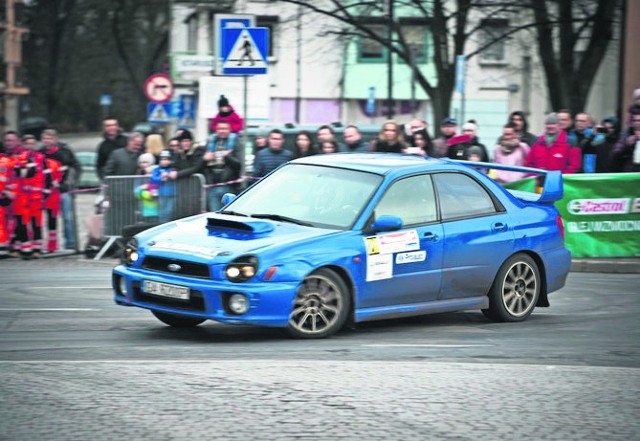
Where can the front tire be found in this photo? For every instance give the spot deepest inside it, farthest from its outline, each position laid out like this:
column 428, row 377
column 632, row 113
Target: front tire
column 177, row 321
column 515, row 291
column 321, row 306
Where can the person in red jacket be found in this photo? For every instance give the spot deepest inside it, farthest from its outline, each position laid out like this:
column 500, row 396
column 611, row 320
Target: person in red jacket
column 226, row 113
column 34, row 183
column 552, row 150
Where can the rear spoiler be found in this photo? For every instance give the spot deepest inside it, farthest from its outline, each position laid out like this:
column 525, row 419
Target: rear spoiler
column 552, row 189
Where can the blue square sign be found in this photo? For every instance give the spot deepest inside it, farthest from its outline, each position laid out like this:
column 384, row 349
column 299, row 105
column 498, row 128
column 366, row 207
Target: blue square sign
column 244, row 51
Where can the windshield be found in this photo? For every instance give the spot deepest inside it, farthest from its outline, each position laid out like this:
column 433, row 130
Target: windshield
column 309, row 194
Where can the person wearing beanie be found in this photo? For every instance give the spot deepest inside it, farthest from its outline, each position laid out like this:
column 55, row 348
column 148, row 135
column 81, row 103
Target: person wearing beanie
column 470, row 128
column 143, row 190
column 226, row 113
column 187, row 160
column 552, row 151
column 448, row 129
column 146, row 161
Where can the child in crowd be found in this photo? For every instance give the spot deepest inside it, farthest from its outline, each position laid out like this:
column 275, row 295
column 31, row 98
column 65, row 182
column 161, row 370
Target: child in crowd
column 144, row 191
column 164, row 187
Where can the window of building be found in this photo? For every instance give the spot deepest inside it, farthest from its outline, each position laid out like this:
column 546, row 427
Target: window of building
column 370, row 50
column 271, row 22
column 415, row 33
column 491, row 30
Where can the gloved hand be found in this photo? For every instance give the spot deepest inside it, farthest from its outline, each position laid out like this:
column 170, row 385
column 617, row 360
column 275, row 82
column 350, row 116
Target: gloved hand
column 5, row 201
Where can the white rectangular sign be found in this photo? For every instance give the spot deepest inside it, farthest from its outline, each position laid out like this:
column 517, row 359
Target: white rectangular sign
column 190, row 67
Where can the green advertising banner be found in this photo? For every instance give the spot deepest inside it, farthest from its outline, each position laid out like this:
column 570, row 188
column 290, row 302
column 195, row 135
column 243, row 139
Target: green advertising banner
column 601, row 213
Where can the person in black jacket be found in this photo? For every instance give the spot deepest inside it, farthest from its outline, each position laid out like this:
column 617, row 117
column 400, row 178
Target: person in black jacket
column 273, row 156
column 113, row 140
column 70, row 169
column 124, row 161
column 520, row 120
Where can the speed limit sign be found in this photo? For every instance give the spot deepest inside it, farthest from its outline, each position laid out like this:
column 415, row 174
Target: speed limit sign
column 159, row 88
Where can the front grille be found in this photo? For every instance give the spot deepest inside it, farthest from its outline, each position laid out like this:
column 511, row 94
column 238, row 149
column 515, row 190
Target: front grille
column 189, row 269
column 194, row 304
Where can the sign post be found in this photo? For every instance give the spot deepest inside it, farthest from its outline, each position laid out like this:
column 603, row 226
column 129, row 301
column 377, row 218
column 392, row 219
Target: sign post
column 244, row 52
column 461, row 63
column 371, row 103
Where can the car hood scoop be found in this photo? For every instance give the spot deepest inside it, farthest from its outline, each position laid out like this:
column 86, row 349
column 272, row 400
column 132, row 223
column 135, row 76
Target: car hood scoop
column 222, row 227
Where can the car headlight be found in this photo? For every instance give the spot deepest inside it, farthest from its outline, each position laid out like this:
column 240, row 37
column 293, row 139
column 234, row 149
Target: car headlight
column 242, row 269
column 131, row 251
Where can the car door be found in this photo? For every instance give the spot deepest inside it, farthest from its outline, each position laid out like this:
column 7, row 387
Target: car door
column 477, row 237
column 403, row 267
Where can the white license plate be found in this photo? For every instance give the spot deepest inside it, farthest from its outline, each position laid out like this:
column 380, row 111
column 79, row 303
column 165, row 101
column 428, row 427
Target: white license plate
column 166, row 290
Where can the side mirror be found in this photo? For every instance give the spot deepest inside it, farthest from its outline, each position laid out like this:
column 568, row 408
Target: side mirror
column 386, row 223
column 227, row 198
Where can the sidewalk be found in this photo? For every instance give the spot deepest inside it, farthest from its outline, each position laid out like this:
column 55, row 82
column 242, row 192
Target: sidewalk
column 628, row 265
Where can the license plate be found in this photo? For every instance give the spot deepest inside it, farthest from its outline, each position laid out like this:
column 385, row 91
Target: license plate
column 166, row 290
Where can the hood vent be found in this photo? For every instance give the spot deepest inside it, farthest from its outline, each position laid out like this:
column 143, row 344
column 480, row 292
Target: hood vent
column 254, row 227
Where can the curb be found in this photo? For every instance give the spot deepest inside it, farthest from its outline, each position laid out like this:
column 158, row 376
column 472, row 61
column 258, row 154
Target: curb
column 614, row 266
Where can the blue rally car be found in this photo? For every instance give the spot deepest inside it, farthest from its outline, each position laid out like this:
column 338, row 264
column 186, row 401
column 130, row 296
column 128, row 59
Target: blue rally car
column 353, row 237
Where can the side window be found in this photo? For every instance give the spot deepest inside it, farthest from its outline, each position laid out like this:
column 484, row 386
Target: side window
column 461, row 196
column 411, row 199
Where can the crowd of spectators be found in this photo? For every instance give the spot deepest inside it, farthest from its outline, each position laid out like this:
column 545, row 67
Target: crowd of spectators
column 37, row 183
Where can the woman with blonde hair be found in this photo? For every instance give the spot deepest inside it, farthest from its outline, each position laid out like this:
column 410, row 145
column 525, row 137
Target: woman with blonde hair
column 154, row 145
column 390, row 138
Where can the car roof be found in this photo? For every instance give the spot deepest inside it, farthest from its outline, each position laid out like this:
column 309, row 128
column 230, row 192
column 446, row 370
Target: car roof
column 381, row 163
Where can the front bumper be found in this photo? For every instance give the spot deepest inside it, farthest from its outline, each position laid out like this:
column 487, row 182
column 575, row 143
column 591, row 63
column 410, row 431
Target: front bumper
column 270, row 302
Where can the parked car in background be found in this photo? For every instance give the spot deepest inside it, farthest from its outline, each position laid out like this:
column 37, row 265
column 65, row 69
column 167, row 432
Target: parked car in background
column 33, row 125
column 89, row 177
column 331, row 239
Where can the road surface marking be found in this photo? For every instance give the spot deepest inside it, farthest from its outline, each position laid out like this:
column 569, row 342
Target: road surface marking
column 70, row 287
column 418, row 345
column 48, row 309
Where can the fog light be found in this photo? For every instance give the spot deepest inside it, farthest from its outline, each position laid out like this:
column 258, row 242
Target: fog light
column 238, row 304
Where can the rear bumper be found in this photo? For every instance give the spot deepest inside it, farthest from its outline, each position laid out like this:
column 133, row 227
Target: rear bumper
column 558, row 267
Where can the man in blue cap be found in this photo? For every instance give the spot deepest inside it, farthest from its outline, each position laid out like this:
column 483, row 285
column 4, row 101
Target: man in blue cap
column 448, row 129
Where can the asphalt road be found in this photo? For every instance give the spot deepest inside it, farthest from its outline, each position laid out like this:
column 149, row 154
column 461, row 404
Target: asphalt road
column 74, row 366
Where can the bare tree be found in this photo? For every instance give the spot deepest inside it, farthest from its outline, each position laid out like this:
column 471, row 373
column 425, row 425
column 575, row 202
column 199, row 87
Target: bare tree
column 572, row 38
column 456, row 23
column 77, row 50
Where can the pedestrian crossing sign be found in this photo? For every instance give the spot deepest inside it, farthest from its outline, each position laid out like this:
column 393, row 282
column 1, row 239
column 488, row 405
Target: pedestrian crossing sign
column 244, row 51
column 159, row 113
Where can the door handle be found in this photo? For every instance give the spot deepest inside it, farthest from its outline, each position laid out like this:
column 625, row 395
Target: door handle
column 499, row 226
column 430, row 236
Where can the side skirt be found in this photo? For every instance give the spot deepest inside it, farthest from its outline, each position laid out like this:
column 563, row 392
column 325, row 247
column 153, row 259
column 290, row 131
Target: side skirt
column 398, row 311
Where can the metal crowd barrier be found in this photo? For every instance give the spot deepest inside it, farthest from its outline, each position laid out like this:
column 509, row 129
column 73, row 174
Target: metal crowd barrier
column 126, row 208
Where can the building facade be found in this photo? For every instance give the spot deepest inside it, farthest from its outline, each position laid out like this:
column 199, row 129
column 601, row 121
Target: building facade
column 319, row 72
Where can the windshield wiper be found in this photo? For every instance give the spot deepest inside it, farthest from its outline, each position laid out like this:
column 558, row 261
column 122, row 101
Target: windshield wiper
column 278, row 217
column 233, row 213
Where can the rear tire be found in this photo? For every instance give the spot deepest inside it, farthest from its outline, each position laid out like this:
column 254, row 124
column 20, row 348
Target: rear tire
column 177, row 321
column 515, row 290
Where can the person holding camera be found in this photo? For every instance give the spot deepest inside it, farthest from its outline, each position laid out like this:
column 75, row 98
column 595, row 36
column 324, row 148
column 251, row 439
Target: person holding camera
column 626, row 153
column 597, row 149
